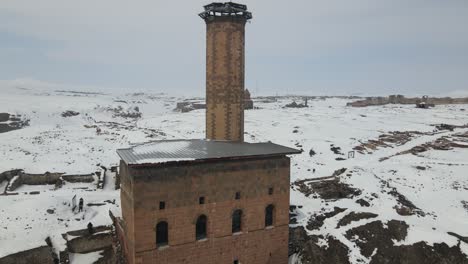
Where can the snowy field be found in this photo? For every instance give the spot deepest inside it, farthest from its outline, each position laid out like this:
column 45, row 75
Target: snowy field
column 78, row 144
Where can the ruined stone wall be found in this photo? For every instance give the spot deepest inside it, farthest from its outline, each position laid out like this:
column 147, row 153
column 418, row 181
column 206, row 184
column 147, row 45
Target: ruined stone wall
column 79, row 178
column 180, row 188
column 225, row 78
column 41, row 255
column 90, row 243
column 40, row 179
column 400, row 99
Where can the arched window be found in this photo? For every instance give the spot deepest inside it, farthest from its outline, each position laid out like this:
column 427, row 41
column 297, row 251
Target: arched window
column 200, row 228
column 269, row 215
column 237, row 221
column 162, row 236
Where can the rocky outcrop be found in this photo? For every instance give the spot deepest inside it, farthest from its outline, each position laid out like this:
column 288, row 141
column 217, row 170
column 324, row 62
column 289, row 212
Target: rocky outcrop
column 9, row 122
column 69, row 113
column 375, row 241
column 310, row 253
column 420, row 253
column 375, row 236
column 353, row 216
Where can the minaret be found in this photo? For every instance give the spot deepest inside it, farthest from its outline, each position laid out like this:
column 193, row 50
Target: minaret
column 225, row 34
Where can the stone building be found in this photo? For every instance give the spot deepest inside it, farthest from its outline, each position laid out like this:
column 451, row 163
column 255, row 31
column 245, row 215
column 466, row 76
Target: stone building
column 214, row 200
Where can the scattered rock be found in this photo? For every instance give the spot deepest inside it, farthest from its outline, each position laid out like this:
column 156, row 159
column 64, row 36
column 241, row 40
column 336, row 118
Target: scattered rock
column 312, row 153
column 353, row 216
column 420, row 168
column 339, row 172
column 51, row 211
column 336, row 150
column 465, row 205
column 363, row 202
column 69, row 113
column 403, row 210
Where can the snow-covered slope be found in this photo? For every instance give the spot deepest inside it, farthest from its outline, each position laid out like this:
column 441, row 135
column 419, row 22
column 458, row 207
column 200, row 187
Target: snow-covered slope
column 106, row 122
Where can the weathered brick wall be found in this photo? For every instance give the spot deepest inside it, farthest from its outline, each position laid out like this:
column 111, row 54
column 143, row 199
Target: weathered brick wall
column 225, row 78
column 180, row 188
column 126, row 201
column 255, row 247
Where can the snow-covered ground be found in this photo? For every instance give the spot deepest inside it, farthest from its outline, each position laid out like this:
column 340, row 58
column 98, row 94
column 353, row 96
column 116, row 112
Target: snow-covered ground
column 77, row 144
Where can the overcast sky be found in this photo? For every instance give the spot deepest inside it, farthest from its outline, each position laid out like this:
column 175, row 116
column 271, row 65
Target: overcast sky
column 297, row 46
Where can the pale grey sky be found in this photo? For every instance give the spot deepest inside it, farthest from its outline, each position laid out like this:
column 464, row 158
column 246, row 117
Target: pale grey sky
column 299, row 46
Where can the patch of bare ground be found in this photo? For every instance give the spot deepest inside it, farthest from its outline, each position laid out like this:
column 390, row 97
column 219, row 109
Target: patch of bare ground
column 465, row 205
column 309, row 252
column 399, row 138
column 376, row 242
column 375, row 236
column 316, row 221
column 442, row 143
column 405, row 207
column 387, row 140
column 129, row 126
column 328, row 188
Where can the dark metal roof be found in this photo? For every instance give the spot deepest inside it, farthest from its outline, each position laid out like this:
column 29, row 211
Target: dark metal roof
column 165, row 151
column 225, row 9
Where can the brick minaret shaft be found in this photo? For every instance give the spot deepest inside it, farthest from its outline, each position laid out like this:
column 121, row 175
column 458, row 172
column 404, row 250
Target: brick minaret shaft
column 225, row 78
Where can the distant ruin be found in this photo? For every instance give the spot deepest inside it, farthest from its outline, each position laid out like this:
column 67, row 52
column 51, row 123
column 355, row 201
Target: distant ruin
column 195, row 104
column 421, row 102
